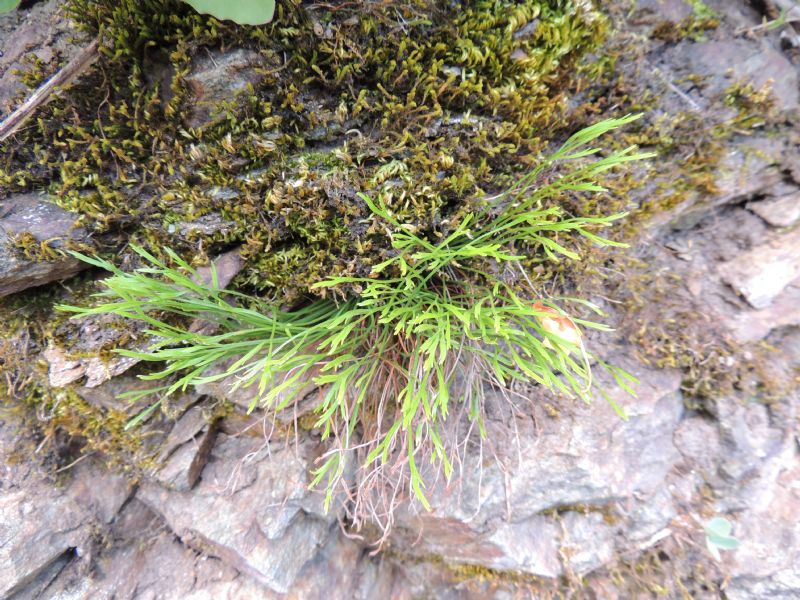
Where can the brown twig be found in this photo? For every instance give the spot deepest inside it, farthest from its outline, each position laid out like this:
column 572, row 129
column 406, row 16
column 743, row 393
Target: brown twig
column 64, row 76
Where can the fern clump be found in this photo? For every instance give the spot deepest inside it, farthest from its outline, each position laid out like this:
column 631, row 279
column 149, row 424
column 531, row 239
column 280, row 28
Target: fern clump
column 424, row 333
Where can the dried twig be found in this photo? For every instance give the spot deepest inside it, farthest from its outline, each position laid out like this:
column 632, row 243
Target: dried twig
column 67, row 73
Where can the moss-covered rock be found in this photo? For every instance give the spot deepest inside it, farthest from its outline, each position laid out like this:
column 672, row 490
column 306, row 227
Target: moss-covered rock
column 426, row 103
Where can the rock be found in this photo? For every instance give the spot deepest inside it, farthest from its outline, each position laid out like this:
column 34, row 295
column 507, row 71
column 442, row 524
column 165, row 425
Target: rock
column 264, row 523
column 669, row 10
column 159, row 566
column 760, row 463
column 62, row 370
column 754, row 325
column 783, row 211
column 747, row 169
column 767, row 562
column 206, row 225
column 726, row 62
column 174, row 474
column 748, row 437
column 97, row 370
column 41, row 30
column 698, row 441
column 47, row 223
column 540, row 545
column 217, row 77
column 35, row 534
column 42, row 528
column 227, row 265
column 571, row 495
column 185, row 430
column 145, row 560
column 531, row 545
column 244, row 396
column 42, row 586
column 587, row 542
column 589, row 457
column 341, row 570
column 762, row 273
column 107, row 395
column 95, row 333
column 791, row 8
column 100, row 493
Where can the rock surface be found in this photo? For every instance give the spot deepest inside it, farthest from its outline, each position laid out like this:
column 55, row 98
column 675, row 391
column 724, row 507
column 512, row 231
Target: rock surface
column 761, row 274
column 270, row 541
column 217, row 77
column 40, row 32
column 44, row 527
column 782, row 211
column 559, row 493
column 567, row 466
column 50, row 226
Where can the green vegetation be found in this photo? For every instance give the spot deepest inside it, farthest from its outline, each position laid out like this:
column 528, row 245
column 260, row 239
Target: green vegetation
column 429, row 326
column 424, row 108
column 8, row 5
column 244, row 12
column 701, row 10
column 421, row 108
column 361, row 163
column 426, row 104
column 718, row 537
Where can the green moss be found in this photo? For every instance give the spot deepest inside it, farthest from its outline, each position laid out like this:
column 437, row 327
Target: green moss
column 476, row 577
column 60, row 424
column 701, row 10
column 755, row 107
column 425, row 102
column 31, row 248
column 692, row 27
column 87, row 428
column 608, row 511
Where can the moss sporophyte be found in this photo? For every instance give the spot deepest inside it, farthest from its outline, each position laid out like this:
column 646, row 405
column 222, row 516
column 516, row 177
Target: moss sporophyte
column 392, row 354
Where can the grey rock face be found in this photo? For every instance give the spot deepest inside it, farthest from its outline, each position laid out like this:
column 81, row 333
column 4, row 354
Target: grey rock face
column 264, row 524
column 755, row 325
column 669, row 10
column 42, row 527
column 218, row 77
column 38, row 31
column 761, row 274
column 768, row 277
column 35, row 535
column 588, row 457
column 29, row 213
column 780, row 211
column 767, row 563
column 728, row 61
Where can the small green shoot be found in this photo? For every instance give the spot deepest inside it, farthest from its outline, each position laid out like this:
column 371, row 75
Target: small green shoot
column 718, row 537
